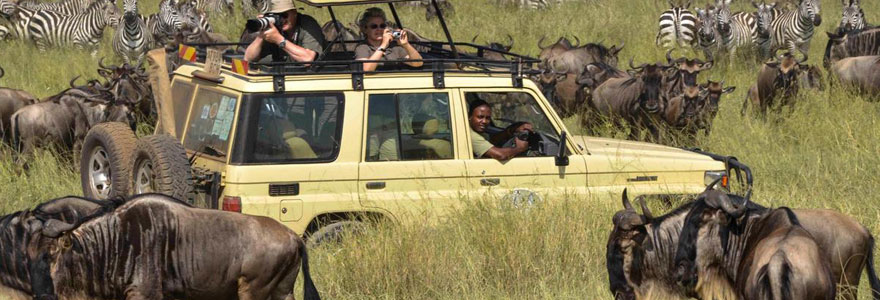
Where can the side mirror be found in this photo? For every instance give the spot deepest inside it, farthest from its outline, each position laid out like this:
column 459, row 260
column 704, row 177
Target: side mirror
column 561, row 157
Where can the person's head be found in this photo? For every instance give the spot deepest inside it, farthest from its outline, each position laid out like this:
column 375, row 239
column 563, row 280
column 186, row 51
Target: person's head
column 284, row 7
column 373, row 24
column 479, row 115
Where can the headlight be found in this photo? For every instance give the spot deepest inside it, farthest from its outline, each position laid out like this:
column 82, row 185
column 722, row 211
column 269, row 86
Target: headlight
column 711, row 176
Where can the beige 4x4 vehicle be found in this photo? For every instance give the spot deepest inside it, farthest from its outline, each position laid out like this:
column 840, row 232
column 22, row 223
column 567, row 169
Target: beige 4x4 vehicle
column 317, row 145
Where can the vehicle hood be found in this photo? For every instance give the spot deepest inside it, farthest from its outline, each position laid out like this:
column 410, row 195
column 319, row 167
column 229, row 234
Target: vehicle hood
column 643, row 156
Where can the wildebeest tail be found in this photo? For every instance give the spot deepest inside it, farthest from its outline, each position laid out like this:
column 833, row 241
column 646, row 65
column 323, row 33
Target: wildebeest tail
column 872, row 274
column 14, row 133
column 310, row 292
column 774, row 279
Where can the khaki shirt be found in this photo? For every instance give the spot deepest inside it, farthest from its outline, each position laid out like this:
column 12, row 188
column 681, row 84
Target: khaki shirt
column 307, row 34
column 364, row 51
column 481, row 144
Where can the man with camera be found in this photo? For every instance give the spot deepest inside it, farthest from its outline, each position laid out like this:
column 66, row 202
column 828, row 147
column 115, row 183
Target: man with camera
column 299, row 39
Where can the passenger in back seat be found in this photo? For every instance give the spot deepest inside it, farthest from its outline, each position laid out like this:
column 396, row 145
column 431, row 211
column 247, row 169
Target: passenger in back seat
column 378, row 38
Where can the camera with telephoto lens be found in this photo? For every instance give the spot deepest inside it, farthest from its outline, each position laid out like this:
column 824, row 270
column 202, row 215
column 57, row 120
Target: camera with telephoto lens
column 522, row 135
column 396, row 34
column 260, row 24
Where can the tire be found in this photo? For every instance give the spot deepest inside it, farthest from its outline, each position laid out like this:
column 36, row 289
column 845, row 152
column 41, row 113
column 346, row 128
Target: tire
column 105, row 160
column 160, row 166
column 335, row 232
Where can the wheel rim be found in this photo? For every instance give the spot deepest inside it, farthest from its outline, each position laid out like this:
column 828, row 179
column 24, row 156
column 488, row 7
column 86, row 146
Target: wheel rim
column 144, row 179
column 99, row 173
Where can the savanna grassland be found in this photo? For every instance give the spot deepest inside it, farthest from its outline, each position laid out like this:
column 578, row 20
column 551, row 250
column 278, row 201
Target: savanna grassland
column 823, row 154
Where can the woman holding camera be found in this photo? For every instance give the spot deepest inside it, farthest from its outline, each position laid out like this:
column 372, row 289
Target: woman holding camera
column 378, row 37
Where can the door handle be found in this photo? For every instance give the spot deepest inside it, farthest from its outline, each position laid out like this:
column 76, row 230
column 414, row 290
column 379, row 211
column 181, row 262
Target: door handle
column 375, row 185
column 490, row 181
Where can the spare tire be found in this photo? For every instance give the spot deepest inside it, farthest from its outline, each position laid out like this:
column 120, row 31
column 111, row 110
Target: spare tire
column 161, row 166
column 105, row 160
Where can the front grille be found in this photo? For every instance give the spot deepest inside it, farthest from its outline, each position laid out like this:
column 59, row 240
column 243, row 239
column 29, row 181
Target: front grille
column 284, row 189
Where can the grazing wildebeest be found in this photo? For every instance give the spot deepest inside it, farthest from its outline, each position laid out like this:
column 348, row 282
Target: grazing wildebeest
column 641, row 250
column 330, row 31
column 150, row 246
column 64, row 119
column 777, row 81
column 841, row 46
column 637, row 101
column 861, row 72
column 685, row 72
column 763, row 255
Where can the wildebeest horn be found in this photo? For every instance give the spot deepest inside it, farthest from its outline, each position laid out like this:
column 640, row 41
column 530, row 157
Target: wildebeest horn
column 645, row 210
column 669, row 56
column 718, row 199
column 54, row 228
column 2, row 73
column 510, row 38
column 542, row 41
column 578, row 42
column 72, row 81
column 474, row 40
column 626, row 204
column 631, row 66
column 101, row 64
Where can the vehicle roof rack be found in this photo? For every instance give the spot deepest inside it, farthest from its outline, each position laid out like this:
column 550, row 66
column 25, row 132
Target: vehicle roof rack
column 439, row 58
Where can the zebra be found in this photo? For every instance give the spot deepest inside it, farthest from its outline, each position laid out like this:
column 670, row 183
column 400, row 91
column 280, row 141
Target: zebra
column 19, row 18
column 528, row 4
column 707, row 36
column 678, row 26
column 64, row 7
column 794, row 29
column 132, row 38
column 764, row 16
column 164, row 24
column 217, row 6
column 85, row 30
column 4, row 32
column 736, row 30
column 853, row 18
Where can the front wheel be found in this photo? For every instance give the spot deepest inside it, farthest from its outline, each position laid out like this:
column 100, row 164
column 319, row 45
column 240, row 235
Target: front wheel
column 161, row 166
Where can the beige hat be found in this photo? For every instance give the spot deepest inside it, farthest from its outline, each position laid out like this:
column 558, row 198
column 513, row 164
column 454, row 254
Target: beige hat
column 280, row 6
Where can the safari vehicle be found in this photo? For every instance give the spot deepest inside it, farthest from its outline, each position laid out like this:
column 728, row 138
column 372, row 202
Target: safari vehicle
column 321, row 145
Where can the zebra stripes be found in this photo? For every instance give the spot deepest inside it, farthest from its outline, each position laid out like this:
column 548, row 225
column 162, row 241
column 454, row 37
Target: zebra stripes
column 735, row 30
column 794, row 29
column 678, row 27
column 531, row 4
column 19, row 19
column 132, row 38
column 49, row 28
column 164, row 24
column 853, row 19
column 64, row 7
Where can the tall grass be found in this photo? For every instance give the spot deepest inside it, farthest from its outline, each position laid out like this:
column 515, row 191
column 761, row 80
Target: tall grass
column 825, row 153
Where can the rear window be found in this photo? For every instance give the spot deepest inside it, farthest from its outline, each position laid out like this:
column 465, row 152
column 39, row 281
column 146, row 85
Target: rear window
column 210, row 122
column 290, row 128
column 181, row 96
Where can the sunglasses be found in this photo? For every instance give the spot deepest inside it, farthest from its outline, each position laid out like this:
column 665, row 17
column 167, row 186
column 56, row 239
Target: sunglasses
column 375, row 26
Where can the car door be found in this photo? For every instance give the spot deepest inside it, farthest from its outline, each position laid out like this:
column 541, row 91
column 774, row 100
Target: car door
column 410, row 167
column 533, row 176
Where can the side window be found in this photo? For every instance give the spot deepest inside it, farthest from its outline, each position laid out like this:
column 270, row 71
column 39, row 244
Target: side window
column 405, row 127
column 293, row 128
column 181, row 96
column 211, row 122
column 512, row 107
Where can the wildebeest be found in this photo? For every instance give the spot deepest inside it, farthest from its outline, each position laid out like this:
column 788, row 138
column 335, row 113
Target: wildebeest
column 685, row 72
column 765, row 254
column 641, row 250
column 128, row 84
column 11, row 100
column 552, row 50
column 330, row 30
column 682, row 110
column 714, row 90
column 149, row 247
column 840, row 46
column 861, row 72
column 593, row 76
column 494, row 55
column 64, row 119
column 558, row 80
column 637, row 101
column 575, row 59
column 777, row 82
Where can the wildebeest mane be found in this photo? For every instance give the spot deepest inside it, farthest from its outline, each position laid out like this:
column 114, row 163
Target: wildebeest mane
column 14, row 260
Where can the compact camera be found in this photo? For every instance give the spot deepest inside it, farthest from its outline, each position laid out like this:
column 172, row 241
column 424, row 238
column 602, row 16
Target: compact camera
column 260, row 24
column 396, row 34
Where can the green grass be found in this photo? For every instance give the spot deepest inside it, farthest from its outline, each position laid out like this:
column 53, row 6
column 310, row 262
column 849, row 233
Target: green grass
column 824, row 154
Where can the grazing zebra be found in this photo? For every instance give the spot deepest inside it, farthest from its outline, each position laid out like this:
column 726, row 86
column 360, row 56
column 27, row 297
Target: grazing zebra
column 85, row 30
column 794, row 29
column 853, row 18
column 64, row 7
column 132, row 38
column 164, row 24
column 736, row 30
column 19, row 18
column 678, row 26
column 764, row 16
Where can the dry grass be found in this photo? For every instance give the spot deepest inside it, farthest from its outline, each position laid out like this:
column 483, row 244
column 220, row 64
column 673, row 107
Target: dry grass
column 825, row 153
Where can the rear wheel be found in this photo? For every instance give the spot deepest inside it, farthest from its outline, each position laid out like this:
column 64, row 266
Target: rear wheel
column 161, row 166
column 105, row 160
column 335, row 232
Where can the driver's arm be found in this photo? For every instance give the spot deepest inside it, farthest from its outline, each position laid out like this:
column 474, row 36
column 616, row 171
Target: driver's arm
column 507, row 153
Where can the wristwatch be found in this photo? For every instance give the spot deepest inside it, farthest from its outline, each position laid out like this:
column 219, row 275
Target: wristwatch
column 282, row 43
column 381, row 49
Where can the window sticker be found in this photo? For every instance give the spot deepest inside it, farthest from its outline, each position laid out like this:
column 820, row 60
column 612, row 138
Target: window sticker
column 223, row 118
column 205, row 110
